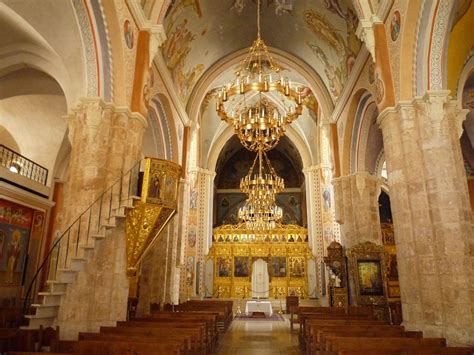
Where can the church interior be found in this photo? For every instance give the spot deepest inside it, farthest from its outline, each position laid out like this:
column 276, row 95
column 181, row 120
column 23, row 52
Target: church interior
column 237, row 177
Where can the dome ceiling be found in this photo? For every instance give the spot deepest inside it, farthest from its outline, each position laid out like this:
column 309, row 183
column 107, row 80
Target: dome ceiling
column 319, row 32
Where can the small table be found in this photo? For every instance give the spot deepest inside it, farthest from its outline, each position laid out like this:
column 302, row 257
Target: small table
column 259, row 306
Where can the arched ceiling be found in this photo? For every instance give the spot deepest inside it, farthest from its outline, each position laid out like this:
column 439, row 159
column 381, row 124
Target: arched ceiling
column 200, row 32
column 234, row 163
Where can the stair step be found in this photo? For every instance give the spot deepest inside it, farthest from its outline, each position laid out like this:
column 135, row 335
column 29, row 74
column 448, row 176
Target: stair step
column 50, row 293
column 66, row 270
column 108, row 225
column 44, row 306
column 67, row 275
column 98, row 236
column 86, row 246
column 35, row 316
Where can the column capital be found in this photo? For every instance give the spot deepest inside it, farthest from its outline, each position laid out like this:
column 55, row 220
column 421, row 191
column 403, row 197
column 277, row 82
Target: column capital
column 203, row 171
column 95, row 106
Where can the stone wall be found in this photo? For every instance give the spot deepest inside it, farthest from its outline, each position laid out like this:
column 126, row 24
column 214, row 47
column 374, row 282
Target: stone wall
column 357, row 210
column 99, row 295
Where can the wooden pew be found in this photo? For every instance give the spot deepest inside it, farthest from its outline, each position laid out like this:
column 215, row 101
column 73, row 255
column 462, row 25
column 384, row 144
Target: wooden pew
column 209, row 317
column 18, row 339
column 190, row 335
column 170, row 339
column 223, row 308
column 294, row 312
column 315, row 341
column 432, row 351
column 335, row 344
column 201, row 326
column 314, row 322
column 96, row 347
column 304, row 318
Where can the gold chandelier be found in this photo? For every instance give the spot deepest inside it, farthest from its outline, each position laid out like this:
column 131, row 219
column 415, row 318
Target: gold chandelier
column 242, row 102
column 260, row 211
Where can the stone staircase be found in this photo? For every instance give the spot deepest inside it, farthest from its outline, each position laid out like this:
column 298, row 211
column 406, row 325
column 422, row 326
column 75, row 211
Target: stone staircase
column 65, row 265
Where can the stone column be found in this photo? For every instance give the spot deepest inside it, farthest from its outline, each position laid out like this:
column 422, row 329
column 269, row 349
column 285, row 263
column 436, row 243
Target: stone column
column 105, row 142
column 432, row 216
column 204, row 235
column 356, row 199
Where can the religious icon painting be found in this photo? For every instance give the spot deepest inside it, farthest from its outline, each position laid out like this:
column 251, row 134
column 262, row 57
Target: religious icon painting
column 370, row 277
column 224, row 268
column 192, row 238
column 169, row 188
column 395, row 26
column 128, row 34
column 241, row 266
column 278, row 266
column 297, row 266
column 371, row 73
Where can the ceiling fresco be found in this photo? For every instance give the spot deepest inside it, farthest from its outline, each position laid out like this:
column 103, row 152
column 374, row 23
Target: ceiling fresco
column 320, row 32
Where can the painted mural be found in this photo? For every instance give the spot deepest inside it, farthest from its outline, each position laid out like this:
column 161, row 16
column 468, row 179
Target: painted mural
column 339, row 58
column 200, row 32
column 15, row 230
column 175, row 50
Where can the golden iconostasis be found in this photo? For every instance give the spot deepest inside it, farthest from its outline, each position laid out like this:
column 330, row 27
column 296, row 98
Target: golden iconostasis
column 235, row 249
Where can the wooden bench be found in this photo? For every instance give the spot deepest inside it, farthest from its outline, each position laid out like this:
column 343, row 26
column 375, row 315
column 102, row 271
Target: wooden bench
column 315, row 341
column 224, row 309
column 204, row 342
column 435, row 351
column 111, row 347
column 181, row 341
column 209, row 317
column 335, row 344
column 305, row 334
column 196, row 340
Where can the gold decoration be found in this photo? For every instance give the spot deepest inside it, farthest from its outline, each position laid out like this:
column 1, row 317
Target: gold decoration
column 257, row 123
column 236, row 241
column 260, row 211
column 151, row 214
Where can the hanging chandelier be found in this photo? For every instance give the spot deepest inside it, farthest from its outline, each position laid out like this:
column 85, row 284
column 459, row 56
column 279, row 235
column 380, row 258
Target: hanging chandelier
column 260, row 211
column 243, row 104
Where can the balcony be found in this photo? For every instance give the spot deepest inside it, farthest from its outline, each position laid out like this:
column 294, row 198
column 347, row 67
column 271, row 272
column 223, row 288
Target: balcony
column 19, row 171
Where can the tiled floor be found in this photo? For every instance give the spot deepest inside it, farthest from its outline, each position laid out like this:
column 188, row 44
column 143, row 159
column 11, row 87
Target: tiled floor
column 258, row 337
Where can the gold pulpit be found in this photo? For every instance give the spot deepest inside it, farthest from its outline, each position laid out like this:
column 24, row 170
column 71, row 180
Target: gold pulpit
column 157, row 205
column 284, row 248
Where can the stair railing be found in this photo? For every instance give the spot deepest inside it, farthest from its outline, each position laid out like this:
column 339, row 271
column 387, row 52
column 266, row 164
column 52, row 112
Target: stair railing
column 93, row 221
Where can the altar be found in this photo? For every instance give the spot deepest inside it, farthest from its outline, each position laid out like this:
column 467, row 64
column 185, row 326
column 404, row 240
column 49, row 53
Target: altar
column 259, row 306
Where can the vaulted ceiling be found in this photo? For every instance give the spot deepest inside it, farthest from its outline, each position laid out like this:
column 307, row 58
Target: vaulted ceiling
column 319, row 32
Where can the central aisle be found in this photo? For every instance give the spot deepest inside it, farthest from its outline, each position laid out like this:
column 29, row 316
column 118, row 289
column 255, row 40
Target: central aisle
column 258, row 337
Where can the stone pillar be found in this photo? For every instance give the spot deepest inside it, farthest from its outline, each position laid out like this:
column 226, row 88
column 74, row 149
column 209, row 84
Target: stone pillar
column 105, row 141
column 204, row 235
column 313, row 198
column 356, row 199
column 432, row 216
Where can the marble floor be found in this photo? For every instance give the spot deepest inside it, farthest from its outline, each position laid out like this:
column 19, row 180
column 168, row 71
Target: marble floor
column 258, row 337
